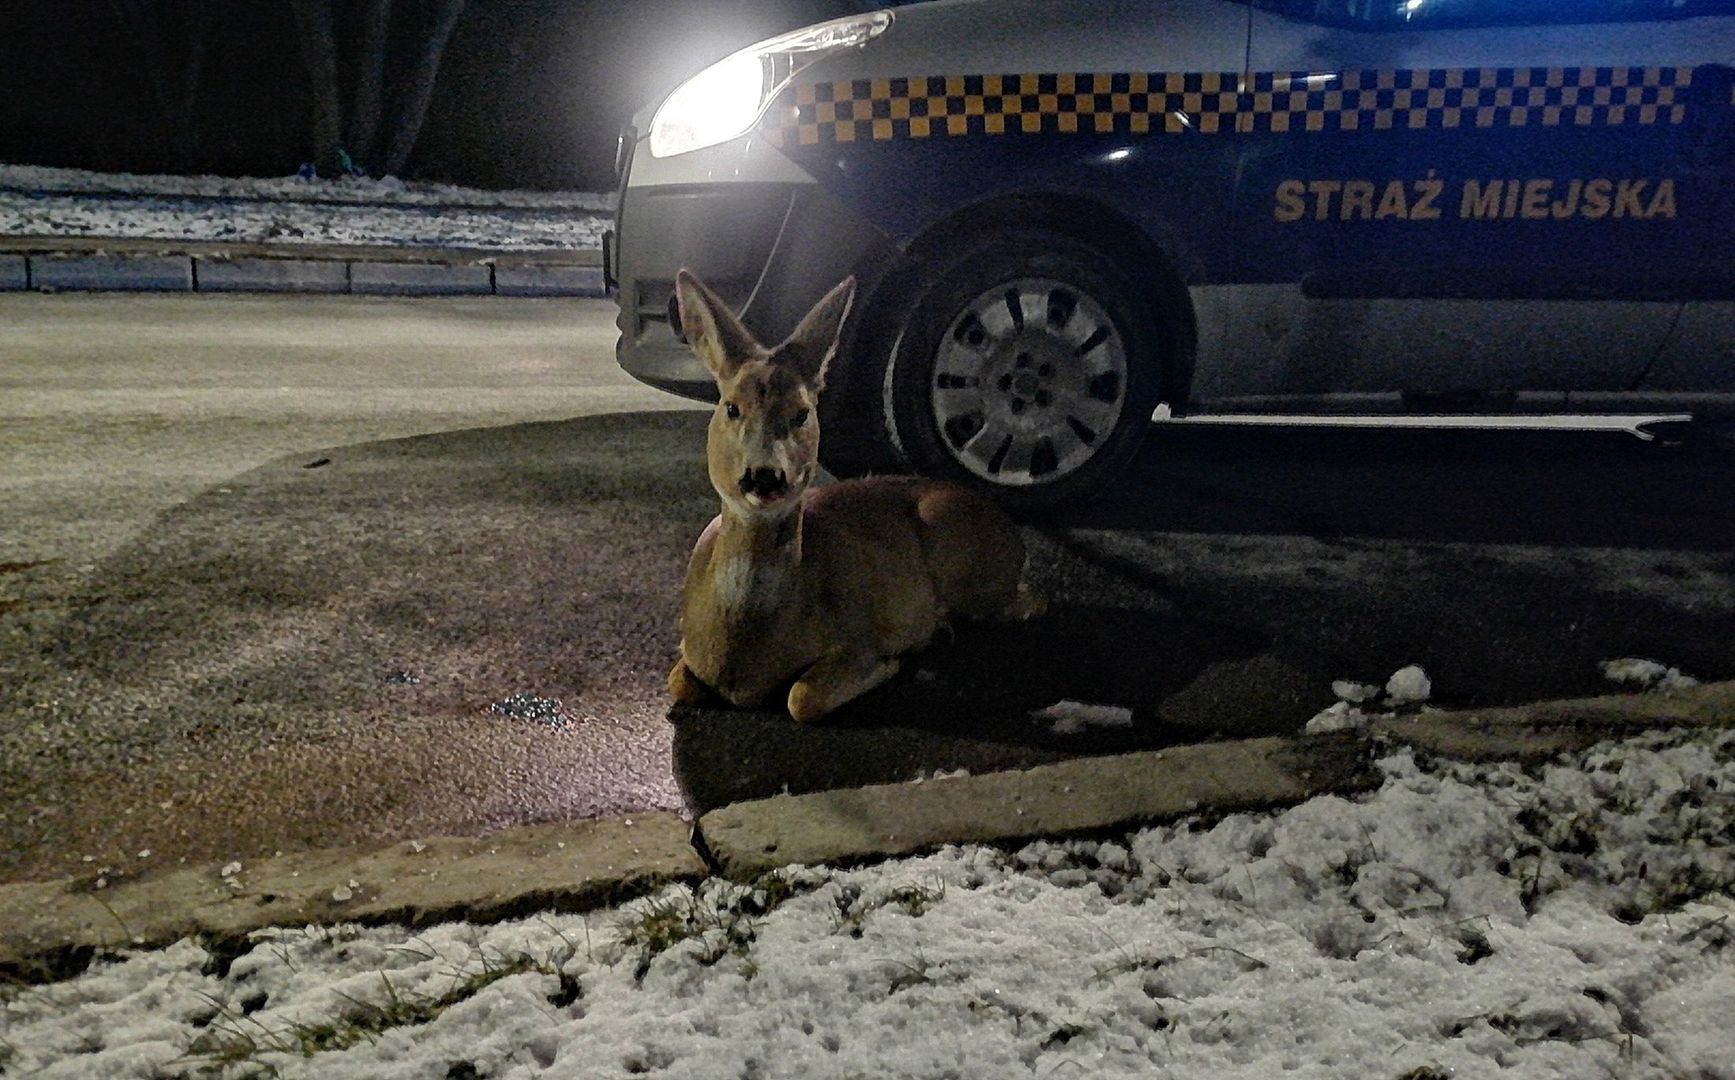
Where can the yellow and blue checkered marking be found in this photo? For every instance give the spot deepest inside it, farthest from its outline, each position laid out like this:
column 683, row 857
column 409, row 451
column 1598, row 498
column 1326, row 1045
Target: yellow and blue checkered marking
column 934, row 106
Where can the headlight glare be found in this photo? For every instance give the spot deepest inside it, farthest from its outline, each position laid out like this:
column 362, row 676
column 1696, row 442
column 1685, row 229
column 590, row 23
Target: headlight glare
column 726, row 99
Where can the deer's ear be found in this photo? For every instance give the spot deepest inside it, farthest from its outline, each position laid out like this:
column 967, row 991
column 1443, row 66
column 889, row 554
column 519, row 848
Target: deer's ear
column 810, row 348
column 713, row 331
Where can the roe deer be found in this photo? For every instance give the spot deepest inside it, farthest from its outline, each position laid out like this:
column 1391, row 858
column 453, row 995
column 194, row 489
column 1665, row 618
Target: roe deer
column 827, row 586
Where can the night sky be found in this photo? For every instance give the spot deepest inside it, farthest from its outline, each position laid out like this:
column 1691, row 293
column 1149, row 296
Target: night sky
column 530, row 93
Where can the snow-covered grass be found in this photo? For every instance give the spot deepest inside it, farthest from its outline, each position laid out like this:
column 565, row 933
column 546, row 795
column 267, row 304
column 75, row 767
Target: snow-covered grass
column 39, row 179
column 39, row 202
column 1564, row 920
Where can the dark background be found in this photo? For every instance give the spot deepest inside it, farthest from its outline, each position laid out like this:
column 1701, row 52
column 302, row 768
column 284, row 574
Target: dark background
column 530, row 94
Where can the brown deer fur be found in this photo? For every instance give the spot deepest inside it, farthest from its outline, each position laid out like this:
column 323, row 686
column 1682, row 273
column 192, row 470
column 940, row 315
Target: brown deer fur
column 827, row 586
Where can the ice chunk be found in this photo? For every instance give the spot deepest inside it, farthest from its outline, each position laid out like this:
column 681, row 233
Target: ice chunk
column 1647, row 673
column 1071, row 717
column 1354, row 692
column 1407, row 686
column 1340, row 717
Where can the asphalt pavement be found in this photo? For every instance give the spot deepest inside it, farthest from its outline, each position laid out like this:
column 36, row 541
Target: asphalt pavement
column 267, row 563
column 291, row 572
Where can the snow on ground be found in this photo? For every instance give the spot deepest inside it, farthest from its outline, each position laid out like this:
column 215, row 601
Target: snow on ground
column 1409, row 686
column 1647, row 673
column 1072, row 717
column 1569, row 920
column 36, row 202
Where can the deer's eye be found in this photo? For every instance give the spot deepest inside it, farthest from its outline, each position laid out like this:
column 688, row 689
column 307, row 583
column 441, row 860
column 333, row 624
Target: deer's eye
column 731, row 410
column 799, row 419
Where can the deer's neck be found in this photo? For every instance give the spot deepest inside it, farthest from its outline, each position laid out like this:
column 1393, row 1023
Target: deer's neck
column 755, row 563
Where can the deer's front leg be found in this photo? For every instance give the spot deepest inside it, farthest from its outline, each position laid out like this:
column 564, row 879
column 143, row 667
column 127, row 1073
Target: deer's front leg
column 685, row 687
column 835, row 678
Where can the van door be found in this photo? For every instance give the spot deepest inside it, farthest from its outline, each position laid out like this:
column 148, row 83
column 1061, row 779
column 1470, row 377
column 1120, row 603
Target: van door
column 1697, row 368
column 1437, row 204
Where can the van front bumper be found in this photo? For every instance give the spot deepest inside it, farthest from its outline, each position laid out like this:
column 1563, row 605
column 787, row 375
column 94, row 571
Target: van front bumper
column 771, row 249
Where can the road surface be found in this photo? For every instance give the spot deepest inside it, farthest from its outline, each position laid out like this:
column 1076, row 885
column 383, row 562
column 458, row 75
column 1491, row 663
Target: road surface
column 293, row 572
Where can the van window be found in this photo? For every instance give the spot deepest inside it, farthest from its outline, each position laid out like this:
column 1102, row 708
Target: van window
column 1423, row 14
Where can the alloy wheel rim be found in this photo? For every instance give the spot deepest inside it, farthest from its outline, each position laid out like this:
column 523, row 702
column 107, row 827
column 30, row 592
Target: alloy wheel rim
column 1029, row 382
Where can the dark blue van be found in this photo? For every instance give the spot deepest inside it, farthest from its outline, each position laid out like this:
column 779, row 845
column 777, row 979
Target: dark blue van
column 1068, row 219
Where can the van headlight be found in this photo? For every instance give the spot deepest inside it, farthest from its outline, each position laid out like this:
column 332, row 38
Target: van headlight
column 727, row 98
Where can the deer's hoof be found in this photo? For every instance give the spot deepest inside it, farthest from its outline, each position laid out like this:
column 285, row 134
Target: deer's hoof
column 806, row 703
column 685, row 687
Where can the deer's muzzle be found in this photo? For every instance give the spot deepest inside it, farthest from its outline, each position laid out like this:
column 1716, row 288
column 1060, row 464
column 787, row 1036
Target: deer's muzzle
column 767, row 483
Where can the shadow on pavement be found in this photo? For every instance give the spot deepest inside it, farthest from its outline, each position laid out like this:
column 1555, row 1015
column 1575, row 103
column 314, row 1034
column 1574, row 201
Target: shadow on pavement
column 1510, row 565
column 1556, row 489
column 975, row 704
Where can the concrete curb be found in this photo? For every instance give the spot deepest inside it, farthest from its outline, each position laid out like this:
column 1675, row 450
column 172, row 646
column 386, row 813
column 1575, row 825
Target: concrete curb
column 272, row 275
column 1082, row 795
column 88, row 273
column 515, row 872
column 131, row 265
column 1546, row 728
column 51, row 929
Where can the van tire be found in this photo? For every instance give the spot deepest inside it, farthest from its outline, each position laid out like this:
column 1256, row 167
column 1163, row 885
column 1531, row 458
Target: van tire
column 1026, row 367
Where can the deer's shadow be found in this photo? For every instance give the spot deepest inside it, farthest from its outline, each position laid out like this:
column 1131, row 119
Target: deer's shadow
column 976, row 703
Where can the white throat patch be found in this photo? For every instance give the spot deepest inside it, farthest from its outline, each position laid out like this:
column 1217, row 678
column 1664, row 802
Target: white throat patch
column 742, row 585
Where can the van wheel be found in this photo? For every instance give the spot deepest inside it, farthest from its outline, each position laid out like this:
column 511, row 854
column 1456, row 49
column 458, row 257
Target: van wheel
column 1027, row 369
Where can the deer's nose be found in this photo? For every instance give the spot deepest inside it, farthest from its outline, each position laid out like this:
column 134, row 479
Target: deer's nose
column 764, row 482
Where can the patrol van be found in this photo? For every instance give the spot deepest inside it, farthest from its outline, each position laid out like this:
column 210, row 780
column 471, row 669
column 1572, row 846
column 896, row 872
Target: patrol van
column 1067, row 219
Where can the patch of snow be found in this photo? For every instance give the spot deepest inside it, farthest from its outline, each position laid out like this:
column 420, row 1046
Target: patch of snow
column 1339, row 717
column 1408, row 686
column 1072, row 717
column 43, row 180
column 1563, row 920
column 1647, row 673
column 1354, row 692
column 941, row 774
column 41, row 202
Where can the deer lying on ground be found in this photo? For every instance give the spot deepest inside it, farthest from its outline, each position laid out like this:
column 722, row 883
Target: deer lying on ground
column 828, row 586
